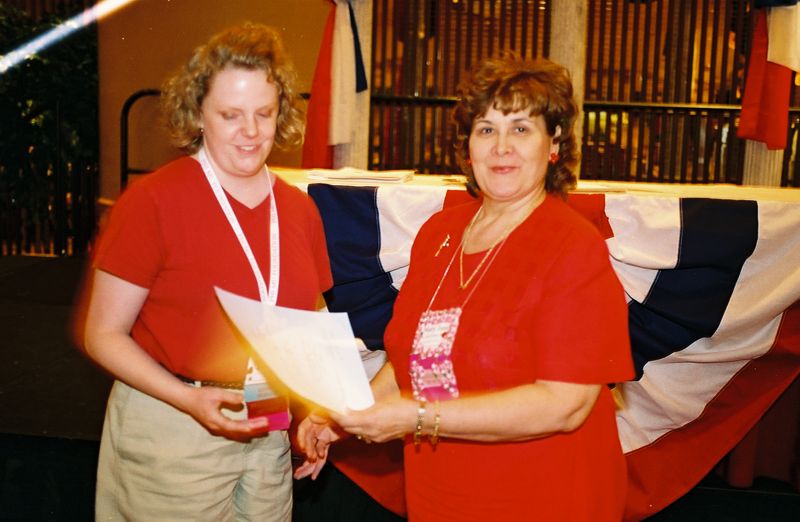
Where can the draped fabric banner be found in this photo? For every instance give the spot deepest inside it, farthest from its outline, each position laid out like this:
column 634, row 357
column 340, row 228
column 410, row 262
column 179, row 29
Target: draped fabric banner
column 339, row 75
column 317, row 153
column 709, row 283
column 765, row 105
column 783, row 25
column 713, row 287
column 343, row 78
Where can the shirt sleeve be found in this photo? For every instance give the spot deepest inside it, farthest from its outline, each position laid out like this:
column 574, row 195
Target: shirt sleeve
column 582, row 325
column 131, row 246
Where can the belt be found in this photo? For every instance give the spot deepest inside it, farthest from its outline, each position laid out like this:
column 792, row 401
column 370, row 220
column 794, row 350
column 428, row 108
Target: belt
column 231, row 385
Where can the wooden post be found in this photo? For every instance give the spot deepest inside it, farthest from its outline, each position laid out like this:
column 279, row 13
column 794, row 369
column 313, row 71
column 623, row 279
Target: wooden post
column 568, row 47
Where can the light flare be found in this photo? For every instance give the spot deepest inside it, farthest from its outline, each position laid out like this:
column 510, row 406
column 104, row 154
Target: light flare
column 61, row 31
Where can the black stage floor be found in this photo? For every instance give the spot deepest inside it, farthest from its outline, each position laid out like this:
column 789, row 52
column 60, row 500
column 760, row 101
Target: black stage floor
column 52, row 401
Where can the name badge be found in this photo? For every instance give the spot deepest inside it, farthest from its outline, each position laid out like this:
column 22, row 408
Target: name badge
column 263, row 402
column 430, row 365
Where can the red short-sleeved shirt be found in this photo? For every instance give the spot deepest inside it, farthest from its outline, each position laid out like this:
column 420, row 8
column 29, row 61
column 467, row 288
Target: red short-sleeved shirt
column 549, row 307
column 167, row 233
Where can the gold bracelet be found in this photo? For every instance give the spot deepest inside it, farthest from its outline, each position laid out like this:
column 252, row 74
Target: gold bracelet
column 420, row 420
column 434, row 437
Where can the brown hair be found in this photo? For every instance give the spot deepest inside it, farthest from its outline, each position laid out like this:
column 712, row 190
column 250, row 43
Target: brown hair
column 248, row 46
column 509, row 84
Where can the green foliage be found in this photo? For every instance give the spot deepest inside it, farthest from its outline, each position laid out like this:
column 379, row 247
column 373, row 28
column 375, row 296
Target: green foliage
column 48, row 113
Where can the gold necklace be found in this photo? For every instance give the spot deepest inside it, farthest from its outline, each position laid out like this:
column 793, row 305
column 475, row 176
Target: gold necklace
column 464, row 284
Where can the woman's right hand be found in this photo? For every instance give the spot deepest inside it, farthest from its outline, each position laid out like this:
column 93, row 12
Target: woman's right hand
column 205, row 404
column 112, row 310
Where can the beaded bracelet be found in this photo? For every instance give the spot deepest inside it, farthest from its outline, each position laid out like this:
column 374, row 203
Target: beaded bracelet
column 434, row 436
column 420, row 420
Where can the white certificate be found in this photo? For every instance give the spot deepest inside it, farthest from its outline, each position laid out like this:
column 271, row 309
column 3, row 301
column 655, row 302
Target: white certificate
column 313, row 353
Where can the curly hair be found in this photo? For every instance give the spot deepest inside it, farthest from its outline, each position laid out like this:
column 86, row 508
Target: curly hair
column 509, row 83
column 248, row 46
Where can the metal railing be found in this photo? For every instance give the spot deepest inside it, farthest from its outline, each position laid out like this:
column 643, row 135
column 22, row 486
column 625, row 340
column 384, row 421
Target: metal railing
column 672, row 143
column 661, row 142
column 622, row 141
column 124, row 166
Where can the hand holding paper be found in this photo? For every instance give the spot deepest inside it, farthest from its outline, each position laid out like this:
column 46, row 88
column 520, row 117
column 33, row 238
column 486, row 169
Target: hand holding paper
column 313, row 353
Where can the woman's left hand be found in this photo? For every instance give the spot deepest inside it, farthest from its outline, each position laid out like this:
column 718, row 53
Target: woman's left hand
column 390, row 418
column 314, row 436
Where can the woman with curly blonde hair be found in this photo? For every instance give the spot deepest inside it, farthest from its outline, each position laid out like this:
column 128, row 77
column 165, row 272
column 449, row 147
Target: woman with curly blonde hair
column 507, row 329
column 193, row 430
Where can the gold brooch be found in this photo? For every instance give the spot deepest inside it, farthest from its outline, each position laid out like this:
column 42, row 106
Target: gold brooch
column 445, row 243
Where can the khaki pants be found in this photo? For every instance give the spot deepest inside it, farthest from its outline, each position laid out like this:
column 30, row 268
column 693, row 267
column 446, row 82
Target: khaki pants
column 157, row 463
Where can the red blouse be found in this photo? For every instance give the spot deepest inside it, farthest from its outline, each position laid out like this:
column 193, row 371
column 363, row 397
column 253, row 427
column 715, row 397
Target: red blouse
column 549, row 307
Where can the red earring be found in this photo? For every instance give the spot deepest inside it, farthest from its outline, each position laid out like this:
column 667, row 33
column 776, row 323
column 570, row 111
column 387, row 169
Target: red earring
column 554, row 158
column 468, row 162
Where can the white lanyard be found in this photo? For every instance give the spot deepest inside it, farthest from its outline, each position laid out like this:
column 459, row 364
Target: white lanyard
column 271, row 296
